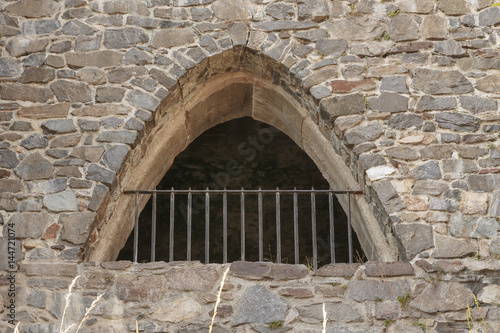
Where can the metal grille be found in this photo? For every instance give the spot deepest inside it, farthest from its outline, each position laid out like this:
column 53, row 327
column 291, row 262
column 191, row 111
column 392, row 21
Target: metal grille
column 243, row 194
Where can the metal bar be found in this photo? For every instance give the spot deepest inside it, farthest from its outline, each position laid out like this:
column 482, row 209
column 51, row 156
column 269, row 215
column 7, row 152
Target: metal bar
column 171, row 235
column 313, row 222
column 239, row 191
column 295, row 228
column 207, row 226
column 136, row 226
column 349, row 230
column 153, row 230
column 242, row 205
column 261, row 238
column 278, row 227
column 332, row 228
column 224, row 227
column 189, row 222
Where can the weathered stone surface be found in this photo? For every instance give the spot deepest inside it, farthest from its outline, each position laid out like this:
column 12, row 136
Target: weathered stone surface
column 489, row 84
column 251, row 270
column 474, row 203
column 413, row 239
column 279, row 10
column 315, row 10
column 367, row 161
column 10, row 186
column 297, row 292
column 440, row 82
column 394, row 84
column 336, row 312
column 45, row 111
column 8, row 159
column 389, row 269
column 29, row 225
column 457, row 121
column 449, row 48
column 91, row 75
column 142, row 100
column 109, row 94
column 49, row 186
column 459, row 166
column 102, row 110
column 123, row 38
column 9, row 67
column 416, row 203
column 405, row 121
column 68, row 91
column 37, row 75
column 70, row 140
column 44, row 8
column 193, row 278
column 75, row 226
column 343, row 86
column 96, row 172
column 447, row 205
column 114, row 157
column 495, row 204
column 337, row 270
column 430, row 103
column 449, row 247
column 288, row 272
column 61, row 201
column 258, row 305
column 341, row 106
column 473, row 226
column 437, row 152
column 361, row 134
column 58, row 126
column 77, row 28
column 435, row 27
column 98, row 196
column 488, row 17
column 319, row 76
column 369, row 290
column 402, row 153
column 24, row 92
column 33, row 167
column 443, row 297
column 388, row 196
column 477, row 104
column 403, row 28
column 388, row 102
column 331, row 47
column 356, row 28
column 484, row 183
column 172, row 37
column 137, row 57
column 133, row 288
column 94, row 59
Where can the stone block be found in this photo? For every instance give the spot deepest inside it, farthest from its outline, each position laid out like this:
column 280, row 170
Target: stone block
column 370, row 132
column 344, row 86
column 473, row 226
column 484, row 183
column 429, row 187
column 341, row 106
column 413, row 239
column 76, row 226
column 445, row 296
column 478, row 104
column 457, row 121
column 474, row 203
column 405, row 121
column 416, row 203
column 369, row 290
column 450, row 247
column 25, row 8
column 337, row 270
column 250, row 270
column 440, row 82
column 124, row 38
column 388, row 196
column 358, row 28
column 24, row 92
column 402, row 28
column 98, row 173
column 61, row 201
column 450, row 48
column 388, row 102
column 133, row 288
column 100, row 59
column 389, row 269
column 34, row 167
column 430, row 103
column 167, row 38
column 435, row 27
column 189, row 278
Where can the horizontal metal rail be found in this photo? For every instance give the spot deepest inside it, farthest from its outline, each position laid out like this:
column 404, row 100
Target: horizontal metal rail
column 242, row 192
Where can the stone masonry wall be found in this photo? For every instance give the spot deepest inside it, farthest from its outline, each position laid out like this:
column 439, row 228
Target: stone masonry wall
column 405, row 91
column 261, row 297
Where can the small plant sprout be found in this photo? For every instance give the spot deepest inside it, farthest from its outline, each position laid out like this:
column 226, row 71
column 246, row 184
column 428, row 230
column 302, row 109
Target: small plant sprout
column 324, row 319
column 344, row 287
column 276, row 324
column 404, row 300
column 218, row 299
column 377, row 299
column 393, row 13
column 387, row 322
column 417, row 323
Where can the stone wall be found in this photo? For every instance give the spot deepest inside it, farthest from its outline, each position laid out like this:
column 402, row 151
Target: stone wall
column 396, row 98
column 429, row 296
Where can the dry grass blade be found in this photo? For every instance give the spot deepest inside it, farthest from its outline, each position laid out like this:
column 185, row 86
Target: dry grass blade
column 16, row 329
column 92, row 306
column 218, row 299
column 324, row 319
column 67, row 297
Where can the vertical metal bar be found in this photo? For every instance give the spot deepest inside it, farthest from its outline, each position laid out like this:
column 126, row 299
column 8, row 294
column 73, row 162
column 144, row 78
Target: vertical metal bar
column 261, row 238
column 207, row 226
column 224, row 227
column 313, row 222
column 332, row 228
column 153, row 230
column 349, row 231
column 278, row 227
column 136, row 226
column 189, row 211
column 171, row 235
column 295, row 227
column 242, row 205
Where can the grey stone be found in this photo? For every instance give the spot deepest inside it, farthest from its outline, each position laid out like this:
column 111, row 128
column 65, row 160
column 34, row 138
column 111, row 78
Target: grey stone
column 197, row 54
column 70, row 140
column 142, row 100
column 356, row 28
column 108, row 95
column 413, row 239
column 134, row 124
column 489, row 17
column 61, row 201
column 87, row 43
column 21, row 126
column 34, row 167
column 280, row 10
column 34, row 205
column 143, row 22
column 440, row 82
column 37, row 299
column 388, row 102
column 38, row 75
column 68, row 91
column 58, row 126
column 322, row 75
column 167, row 38
column 9, row 67
column 137, row 57
column 8, row 159
column 429, row 170
column 388, row 196
column 394, row 84
column 429, row 187
column 402, row 153
column 201, row 14
column 435, row 27
column 368, row 290
column 98, row 195
column 405, row 121
column 336, row 106
column 457, row 121
column 450, row 138
column 258, row 305
column 335, row 312
column 445, row 296
column 478, row 104
column 473, row 226
column 42, row 254
column 283, row 25
column 229, row 10
column 447, row 205
column 49, row 186
column 98, row 173
column 402, row 27
column 361, row 134
column 40, row 27
column 29, row 225
column 89, row 125
column 239, row 33
column 489, row 84
column 449, row 48
column 44, row 8
column 436, row 152
column 20, row 46
column 367, row 161
column 114, row 157
column 70, row 254
column 163, row 78
column 75, row 226
column 315, row 10
column 77, row 28
column 127, row 137
column 331, row 47
column 94, row 59
column 459, row 166
column 495, row 245
column 124, row 38
column 495, row 204
column 320, row 92
column 10, row 186
column 309, row 36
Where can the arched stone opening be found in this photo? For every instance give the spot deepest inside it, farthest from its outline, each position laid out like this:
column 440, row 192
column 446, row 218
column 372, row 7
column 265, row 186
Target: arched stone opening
column 207, row 97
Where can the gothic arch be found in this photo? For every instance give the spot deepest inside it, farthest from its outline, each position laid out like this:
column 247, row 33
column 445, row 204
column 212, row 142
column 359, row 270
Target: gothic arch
column 236, row 83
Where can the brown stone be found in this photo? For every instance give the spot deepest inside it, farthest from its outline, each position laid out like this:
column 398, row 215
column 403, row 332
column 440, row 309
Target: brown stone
column 18, row 47
column 102, row 110
column 116, row 265
column 369, row 290
column 435, row 27
column 339, row 270
column 24, row 92
column 38, row 75
column 454, row 7
column 133, row 288
column 288, row 272
column 223, row 311
column 343, row 86
column 49, row 269
column 96, row 280
column 10, row 185
column 26, row 8
column 489, row 84
column 446, row 296
column 429, row 268
column 437, row 152
column 410, row 47
column 45, row 111
column 388, row 269
column 166, row 38
column 193, row 278
column 66, row 141
column 416, row 203
column 386, row 70
column 51, row 232
column 474, row 203
column 330, row 291
column 297, row 292
column 94, row 59
column 252, row 270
